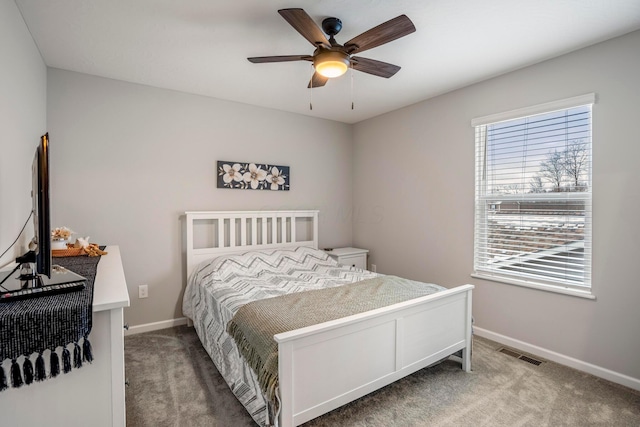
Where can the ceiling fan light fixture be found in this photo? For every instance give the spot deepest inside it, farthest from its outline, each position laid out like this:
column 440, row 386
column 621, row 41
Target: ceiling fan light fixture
column 331, row 63
column 332, row 59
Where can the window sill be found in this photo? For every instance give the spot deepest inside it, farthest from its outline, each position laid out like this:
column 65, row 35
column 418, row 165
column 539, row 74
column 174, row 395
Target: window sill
column 547, row 288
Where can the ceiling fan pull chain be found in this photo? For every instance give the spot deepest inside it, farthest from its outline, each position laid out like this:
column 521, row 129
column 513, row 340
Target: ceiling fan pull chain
column 311, row 89
column 352, row 86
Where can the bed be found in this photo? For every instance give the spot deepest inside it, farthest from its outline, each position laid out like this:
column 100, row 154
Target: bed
column 233, row 258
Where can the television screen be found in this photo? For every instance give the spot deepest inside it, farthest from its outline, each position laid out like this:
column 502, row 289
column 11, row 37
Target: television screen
column 40, row 199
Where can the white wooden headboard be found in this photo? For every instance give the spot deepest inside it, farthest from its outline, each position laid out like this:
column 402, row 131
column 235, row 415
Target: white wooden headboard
column 215, row 233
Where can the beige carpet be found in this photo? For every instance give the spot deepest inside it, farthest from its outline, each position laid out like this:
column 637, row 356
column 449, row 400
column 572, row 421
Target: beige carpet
column 174, row 383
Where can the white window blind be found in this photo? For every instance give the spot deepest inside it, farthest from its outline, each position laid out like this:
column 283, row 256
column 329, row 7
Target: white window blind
column 533, row 195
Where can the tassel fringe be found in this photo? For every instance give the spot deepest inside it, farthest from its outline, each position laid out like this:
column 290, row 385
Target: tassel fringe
column 66, row 360
column 27, row 367
column 41, row 372
column 16, row 376
column 77, row 356
column 55, row 364
column 86, row 350
column 3, row 379
column 29, row 372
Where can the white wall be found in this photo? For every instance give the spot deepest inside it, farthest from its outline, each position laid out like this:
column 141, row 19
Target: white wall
column 414, row 170
column 127, row 160
column 22, row 122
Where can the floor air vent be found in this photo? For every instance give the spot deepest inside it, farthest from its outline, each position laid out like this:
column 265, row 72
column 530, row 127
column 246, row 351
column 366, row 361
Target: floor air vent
column 517, row 355
column 530, row 360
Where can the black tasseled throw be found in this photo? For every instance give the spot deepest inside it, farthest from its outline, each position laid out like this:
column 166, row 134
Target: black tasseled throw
column 51, row 328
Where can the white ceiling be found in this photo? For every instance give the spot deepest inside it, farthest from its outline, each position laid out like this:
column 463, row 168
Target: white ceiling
column 201, row 46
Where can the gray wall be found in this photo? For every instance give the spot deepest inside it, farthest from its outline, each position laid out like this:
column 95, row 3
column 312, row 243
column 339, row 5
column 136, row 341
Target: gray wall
column 128, row 160
column 22, row 122
column 414, row 191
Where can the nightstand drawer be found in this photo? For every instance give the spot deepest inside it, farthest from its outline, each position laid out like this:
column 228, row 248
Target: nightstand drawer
column 359, row 261
column 350, row 256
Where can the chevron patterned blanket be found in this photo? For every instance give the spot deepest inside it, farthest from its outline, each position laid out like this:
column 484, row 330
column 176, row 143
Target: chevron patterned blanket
column 219, row 287
column 255, row 323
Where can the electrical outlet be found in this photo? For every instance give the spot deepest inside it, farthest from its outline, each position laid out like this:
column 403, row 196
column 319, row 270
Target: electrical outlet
column 373, row 268
column 143, row 291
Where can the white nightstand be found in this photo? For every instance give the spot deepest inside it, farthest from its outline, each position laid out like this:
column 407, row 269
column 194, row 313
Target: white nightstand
column 350, row 256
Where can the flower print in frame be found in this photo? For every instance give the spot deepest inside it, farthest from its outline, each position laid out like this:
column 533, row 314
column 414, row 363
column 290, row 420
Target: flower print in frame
column 252, row 176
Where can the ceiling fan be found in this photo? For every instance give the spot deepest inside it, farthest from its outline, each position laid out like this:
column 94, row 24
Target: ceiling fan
column 331, row 59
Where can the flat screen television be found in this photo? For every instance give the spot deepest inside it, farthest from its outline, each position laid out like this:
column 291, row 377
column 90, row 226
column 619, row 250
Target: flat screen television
column 41, row 214
column 44, row 273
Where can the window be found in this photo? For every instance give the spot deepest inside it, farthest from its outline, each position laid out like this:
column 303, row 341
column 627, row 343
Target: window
column 533, row 196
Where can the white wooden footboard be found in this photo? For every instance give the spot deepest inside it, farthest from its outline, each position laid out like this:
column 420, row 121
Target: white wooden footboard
column 325, row 366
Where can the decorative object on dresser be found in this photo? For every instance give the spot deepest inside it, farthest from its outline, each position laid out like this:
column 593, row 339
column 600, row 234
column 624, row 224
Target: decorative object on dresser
column 349, row 256
column 268, row 254
column 60, row 237
column 252, row 176
column 80, row 248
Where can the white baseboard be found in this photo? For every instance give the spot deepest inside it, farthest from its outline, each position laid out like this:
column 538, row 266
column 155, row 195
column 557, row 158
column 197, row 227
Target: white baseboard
column 155, row 326
column 580, row 365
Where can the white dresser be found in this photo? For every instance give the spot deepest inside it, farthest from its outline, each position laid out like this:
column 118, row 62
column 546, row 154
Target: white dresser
column 94, row 394
column 350, row 256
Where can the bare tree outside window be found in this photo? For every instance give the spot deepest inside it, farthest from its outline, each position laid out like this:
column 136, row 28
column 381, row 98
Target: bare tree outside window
column 565, row 171
column 536, row 185
column 552, row 169
column 576, row 161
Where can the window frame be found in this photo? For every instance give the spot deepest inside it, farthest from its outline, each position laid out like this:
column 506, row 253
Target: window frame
column 479, row 124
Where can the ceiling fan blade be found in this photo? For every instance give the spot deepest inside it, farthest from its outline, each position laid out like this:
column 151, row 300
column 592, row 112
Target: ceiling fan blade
column 282, row 58
column 302, row 22
column 371, row 66
column 384, row 33
column 318, row 80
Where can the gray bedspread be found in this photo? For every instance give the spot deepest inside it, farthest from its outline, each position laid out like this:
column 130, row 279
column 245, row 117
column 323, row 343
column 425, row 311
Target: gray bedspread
column 255, row 323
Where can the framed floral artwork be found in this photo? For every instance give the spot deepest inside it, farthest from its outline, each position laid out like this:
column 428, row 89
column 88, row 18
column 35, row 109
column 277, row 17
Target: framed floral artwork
column 252, row 176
